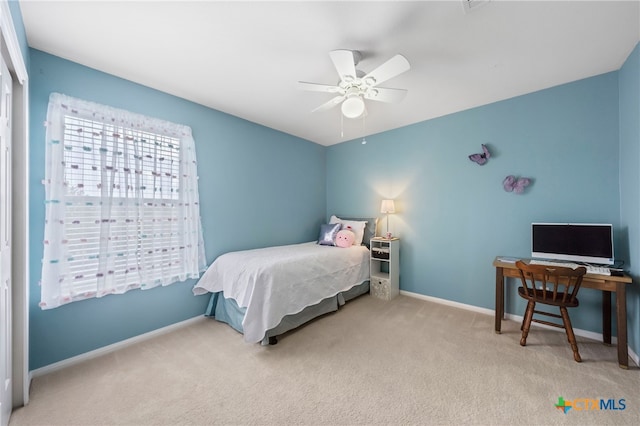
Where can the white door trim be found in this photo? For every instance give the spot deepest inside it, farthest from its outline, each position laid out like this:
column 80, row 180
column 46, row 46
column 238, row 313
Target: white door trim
column 6, row 251
column 20, row 211
column 11, row 39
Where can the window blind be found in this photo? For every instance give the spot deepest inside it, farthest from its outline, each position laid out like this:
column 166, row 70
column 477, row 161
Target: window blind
column 122, row 203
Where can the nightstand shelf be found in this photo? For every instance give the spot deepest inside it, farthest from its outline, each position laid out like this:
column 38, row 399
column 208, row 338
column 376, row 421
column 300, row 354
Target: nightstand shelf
column 385, row 267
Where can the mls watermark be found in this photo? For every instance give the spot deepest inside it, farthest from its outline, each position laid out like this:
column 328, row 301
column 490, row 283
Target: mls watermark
column 591, row 404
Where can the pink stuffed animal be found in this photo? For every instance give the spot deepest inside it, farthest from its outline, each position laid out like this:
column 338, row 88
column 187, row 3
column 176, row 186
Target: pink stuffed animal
column 345, row 238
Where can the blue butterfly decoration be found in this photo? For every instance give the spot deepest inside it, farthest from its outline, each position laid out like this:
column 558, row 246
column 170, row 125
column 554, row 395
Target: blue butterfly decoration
column 517, row 185
column 482, row 158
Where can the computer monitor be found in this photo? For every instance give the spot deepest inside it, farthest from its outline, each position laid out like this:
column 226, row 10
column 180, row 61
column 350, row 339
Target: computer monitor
column 576, row 242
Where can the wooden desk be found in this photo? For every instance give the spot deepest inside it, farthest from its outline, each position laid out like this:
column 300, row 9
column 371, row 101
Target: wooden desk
column 607, row 284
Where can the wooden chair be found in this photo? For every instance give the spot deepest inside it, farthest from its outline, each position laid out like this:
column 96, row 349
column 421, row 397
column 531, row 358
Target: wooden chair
column 550, row 285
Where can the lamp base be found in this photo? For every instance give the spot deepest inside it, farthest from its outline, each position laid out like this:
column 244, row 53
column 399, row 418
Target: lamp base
column 388, row 231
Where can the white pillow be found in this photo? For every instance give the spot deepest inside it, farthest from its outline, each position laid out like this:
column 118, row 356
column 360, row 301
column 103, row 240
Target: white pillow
column 356, row 226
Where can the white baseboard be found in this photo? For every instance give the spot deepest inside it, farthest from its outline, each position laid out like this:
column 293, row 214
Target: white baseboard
column 119, row 345
column 448, row 303
column 518, row 318
column 111, row 348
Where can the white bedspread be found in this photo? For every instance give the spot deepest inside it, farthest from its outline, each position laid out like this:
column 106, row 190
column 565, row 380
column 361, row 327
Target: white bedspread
column 277, row 281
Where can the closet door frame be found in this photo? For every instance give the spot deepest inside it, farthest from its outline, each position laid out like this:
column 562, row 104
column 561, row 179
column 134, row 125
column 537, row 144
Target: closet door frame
column 11, row 51
column 6, row 215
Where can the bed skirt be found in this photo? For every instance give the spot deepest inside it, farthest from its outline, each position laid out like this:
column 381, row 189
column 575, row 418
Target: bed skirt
column 228, row 311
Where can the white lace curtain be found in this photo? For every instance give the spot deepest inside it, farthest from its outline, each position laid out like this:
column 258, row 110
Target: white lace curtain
column 122, row 204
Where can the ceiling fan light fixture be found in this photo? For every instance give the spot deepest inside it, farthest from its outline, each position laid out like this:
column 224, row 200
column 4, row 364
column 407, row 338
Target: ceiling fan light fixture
column 353, row 107
column 355, row 86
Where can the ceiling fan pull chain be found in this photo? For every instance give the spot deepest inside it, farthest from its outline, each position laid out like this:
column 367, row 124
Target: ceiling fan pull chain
column 364, row 129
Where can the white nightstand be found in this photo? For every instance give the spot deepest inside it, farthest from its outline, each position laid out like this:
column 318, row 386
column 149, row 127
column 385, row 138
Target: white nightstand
column 385, row 267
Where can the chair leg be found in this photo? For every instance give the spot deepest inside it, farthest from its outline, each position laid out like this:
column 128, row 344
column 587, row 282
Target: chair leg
column 526, row 322
column 570, row 336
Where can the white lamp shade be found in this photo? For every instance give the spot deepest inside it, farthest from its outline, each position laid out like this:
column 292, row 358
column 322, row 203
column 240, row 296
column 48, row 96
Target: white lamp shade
column 387, row 206
column 353, row 107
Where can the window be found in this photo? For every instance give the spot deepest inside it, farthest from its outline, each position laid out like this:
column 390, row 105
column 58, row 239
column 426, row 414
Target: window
column 122, row 209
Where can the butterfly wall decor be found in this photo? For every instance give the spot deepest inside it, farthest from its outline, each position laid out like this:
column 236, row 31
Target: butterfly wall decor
column 517, row 185
column 481, row 158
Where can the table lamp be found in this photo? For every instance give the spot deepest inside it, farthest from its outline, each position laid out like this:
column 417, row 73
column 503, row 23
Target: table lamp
column 387, row 208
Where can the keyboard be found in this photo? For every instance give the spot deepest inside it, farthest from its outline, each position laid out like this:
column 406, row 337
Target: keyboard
column 591, row 269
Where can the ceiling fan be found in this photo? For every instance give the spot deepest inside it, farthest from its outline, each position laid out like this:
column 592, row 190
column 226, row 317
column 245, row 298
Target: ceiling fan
column 355, row 86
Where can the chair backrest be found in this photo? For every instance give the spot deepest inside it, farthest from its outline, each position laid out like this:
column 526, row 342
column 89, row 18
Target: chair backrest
column 554, row 283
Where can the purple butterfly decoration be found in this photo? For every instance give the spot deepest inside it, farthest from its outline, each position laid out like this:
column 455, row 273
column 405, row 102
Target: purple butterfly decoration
column 513, row 184
column 481, row 158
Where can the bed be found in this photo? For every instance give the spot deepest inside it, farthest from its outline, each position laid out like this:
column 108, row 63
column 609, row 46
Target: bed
column 263, row 293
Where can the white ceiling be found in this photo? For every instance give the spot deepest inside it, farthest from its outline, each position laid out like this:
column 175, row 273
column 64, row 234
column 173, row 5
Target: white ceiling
column 245, row 58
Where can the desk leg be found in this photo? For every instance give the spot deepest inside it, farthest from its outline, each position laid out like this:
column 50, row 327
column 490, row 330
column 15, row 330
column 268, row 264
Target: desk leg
column 606, row 317
column 621, row 316
column 499, row 298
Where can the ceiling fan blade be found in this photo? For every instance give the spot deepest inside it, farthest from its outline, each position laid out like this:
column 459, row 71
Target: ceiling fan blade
column 393, row 67
column 384, row 94
column 316, row 87
column 344, row 63
column 328, row 105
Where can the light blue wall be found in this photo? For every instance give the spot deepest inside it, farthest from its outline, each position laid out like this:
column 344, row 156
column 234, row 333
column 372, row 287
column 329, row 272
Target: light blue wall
column 629, row 87
column 454, row 217
column 258, row 187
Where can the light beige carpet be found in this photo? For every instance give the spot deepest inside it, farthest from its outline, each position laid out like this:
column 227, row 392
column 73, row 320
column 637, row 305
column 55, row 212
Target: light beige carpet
column 373, row 362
